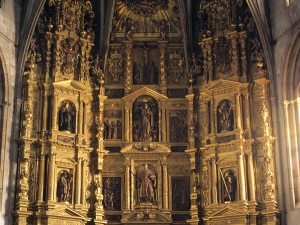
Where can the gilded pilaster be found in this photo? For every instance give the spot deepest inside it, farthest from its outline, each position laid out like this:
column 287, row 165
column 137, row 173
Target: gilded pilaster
column 162, row 45
column 165, row 186
column 128, row 67
column 78, row 182
column 251, row 177
column 51, row 177
column 238, row 111
column 242, row 182
column 41, row 176
column 214, row 180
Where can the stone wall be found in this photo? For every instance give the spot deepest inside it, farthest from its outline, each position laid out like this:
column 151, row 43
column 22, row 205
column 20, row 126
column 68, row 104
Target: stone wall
column 9, row 20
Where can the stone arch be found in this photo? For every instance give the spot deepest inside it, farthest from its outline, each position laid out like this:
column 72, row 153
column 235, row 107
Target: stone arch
column 291, row 96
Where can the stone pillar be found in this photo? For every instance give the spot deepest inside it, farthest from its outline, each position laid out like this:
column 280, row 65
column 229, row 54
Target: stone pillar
column 41, row 177
column 83, row 182
column 251, row 177
column 214, row 180
column 45, row 110
column 127, row 187
column 51, row 178
column 165, row 187
column 238, row 111
column 242, row 183
column 78, row 181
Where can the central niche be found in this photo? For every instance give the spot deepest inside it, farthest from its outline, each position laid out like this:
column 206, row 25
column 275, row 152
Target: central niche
column 145, row 119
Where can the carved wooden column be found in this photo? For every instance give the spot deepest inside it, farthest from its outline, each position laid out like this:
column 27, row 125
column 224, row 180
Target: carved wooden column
column 128, row 67
column 247, row 111
column 214, row 180
column 251, row 177
column 208, row 48
column 242, row 41
column 235, row 60
column 127, row 187
column 209, row 172
column 41, row 176
column 85, row 118
column 127, row 128
column 78, row 182
column 45, row 110
column 83, row 182
column 165, row 186
column 191, row 120
column 212, row 117
column 238, row 111
column 242, row 182
column 80, row 124
column 163, row 122
column 162, row 45
column 51, row 177
column 54, row 111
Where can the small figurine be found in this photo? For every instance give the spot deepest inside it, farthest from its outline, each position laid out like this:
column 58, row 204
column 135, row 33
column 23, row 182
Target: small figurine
column 129, row 27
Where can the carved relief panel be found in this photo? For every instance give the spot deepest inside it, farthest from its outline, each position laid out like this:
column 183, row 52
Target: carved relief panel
column 180, row 193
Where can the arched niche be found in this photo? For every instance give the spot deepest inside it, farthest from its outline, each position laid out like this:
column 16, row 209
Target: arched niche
column 141, row 98
column 291, row 96
column 225, row 117
column 67, row 116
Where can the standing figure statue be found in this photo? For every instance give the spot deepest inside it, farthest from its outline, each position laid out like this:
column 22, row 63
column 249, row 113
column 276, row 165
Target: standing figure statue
column 147, row 183
column 147, row 122
column 64, row 185
column 229, row 190
column 67, row 118
column 225, row 122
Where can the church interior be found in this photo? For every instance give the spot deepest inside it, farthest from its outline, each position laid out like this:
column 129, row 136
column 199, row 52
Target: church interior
column 170, row 112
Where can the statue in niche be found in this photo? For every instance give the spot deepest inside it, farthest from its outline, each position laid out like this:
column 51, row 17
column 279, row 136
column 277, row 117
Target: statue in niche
column 180, row 193
column 147, row 122
column 144, row 119
column 196, row 68
column 229, row 186
column 111, row 193
column 147, row 184
column 225, row 120
column 64, row 186
column 178, row 126
column 151, row 73
column 67, row 118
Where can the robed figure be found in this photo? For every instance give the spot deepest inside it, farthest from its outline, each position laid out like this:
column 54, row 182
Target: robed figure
column 67, row 118
column 230, row 188
column 147, row 122
column 147, row 183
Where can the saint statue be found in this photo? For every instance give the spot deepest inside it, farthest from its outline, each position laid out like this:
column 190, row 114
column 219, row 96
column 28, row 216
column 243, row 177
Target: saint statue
column 67, row 118
column 64, row 185
column 230, row 187
column 147, row 122
column 225, row 117
column 147, row 183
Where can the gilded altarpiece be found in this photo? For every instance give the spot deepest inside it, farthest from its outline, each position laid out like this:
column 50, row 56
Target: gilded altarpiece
column 161, row 135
